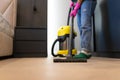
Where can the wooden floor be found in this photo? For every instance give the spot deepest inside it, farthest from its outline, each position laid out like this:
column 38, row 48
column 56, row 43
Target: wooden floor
column 45, row 69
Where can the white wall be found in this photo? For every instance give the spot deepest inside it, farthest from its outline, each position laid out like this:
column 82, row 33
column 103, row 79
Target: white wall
column 57, row 16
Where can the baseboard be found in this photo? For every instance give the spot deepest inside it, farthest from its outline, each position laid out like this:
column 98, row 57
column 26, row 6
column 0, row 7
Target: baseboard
column 6, row 57
column 107, row 54
column 30, row 55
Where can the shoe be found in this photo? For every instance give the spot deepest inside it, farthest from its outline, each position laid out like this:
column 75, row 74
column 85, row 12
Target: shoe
column 83, row 55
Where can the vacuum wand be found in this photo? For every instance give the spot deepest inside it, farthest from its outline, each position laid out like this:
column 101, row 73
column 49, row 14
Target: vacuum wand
column 71, row 35
column 70, row 41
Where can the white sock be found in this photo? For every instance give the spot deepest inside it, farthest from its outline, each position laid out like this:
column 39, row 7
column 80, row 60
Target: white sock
column 85, row 52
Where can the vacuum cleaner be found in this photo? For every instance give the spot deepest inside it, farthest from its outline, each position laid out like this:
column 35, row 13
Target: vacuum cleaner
column 66, row 39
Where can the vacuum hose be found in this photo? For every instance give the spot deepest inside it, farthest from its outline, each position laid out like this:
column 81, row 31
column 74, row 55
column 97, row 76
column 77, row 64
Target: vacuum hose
column 52, row 51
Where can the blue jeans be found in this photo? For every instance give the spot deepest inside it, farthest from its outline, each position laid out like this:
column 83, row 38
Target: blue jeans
column 84, row 16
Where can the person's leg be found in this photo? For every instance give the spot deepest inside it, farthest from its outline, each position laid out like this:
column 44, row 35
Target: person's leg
column 84, row 23
column 79, row 21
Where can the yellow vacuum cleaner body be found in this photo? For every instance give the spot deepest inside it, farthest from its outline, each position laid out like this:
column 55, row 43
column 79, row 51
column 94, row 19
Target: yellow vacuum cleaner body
column 63, row 39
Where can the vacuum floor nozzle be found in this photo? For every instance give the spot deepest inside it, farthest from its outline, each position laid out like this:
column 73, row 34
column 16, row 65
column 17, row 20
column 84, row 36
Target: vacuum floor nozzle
column 69, row 60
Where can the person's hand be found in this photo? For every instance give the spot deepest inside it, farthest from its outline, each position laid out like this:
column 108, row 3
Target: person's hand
column 74, row 12
column 71, row 4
